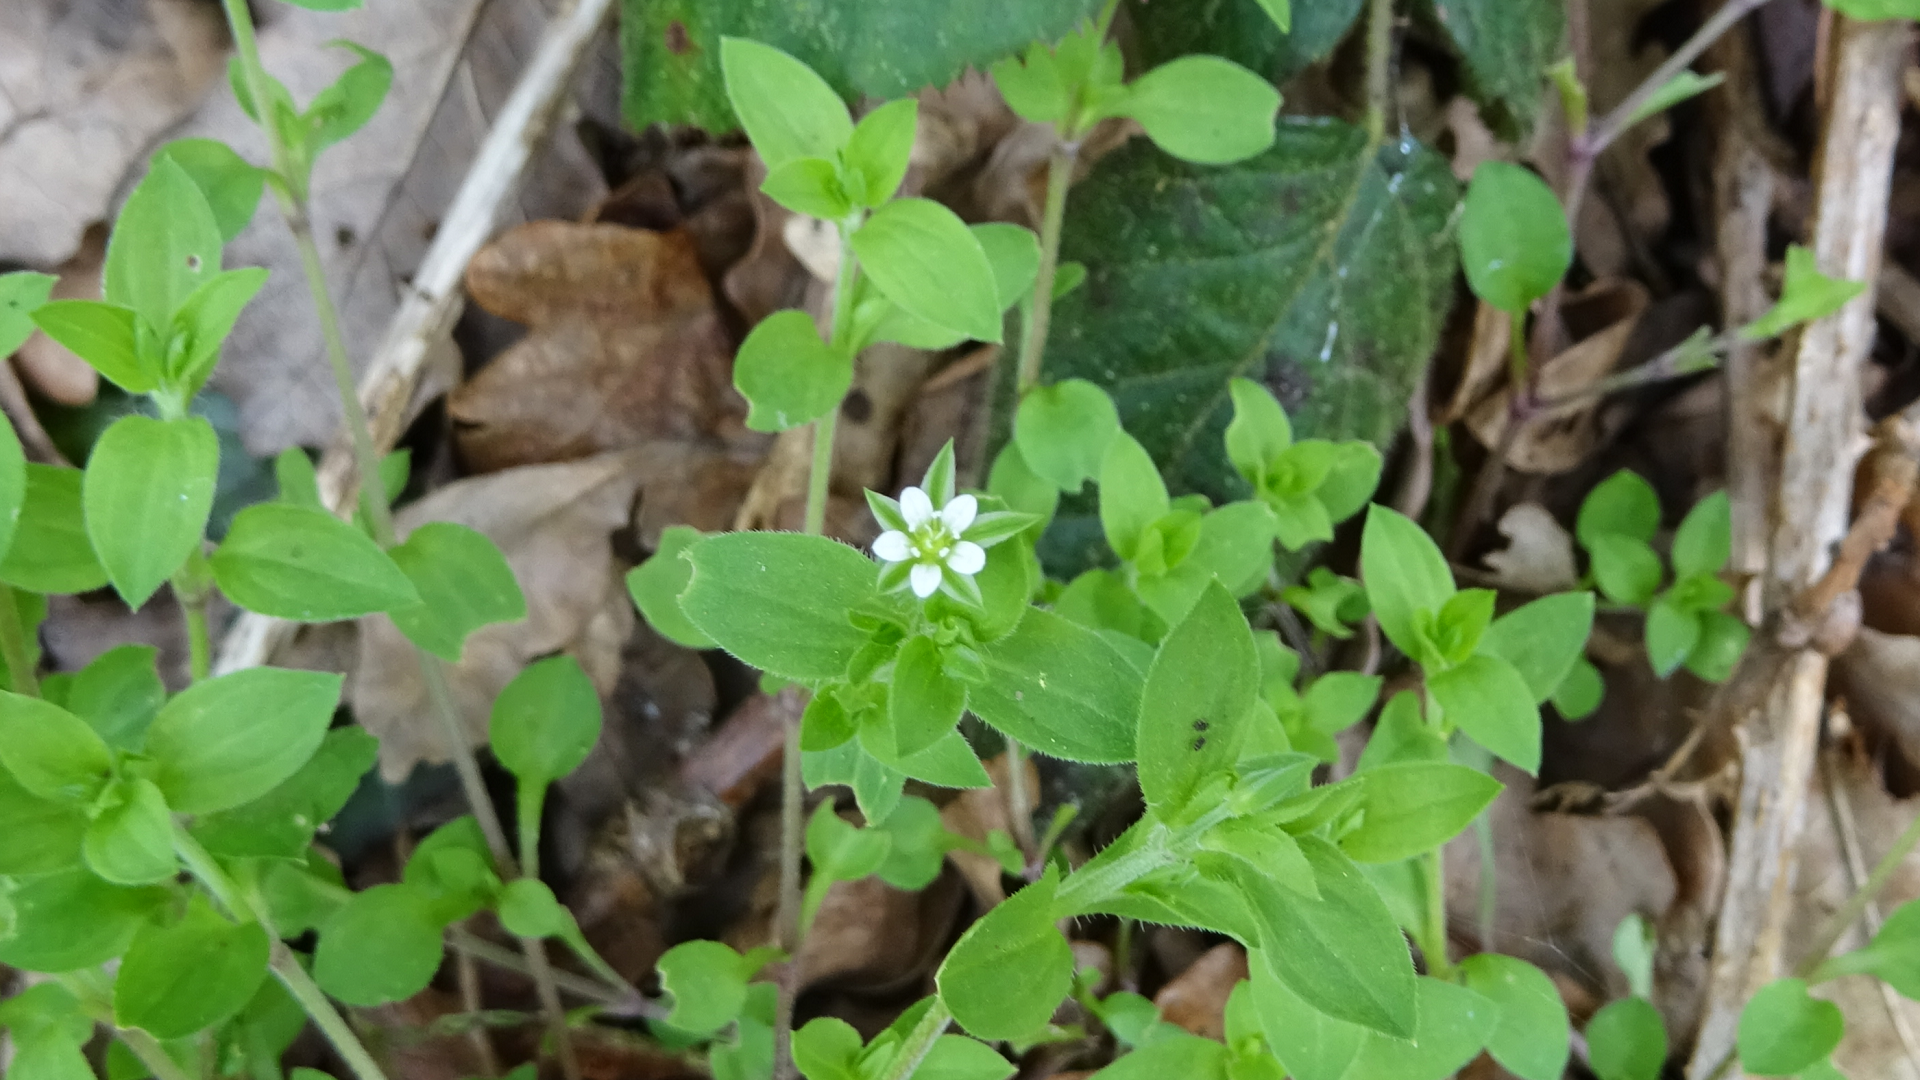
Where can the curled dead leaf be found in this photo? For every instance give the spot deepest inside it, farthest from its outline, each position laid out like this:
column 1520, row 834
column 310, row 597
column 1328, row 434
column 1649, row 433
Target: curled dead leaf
column 1196, row 999
column 1538, row 558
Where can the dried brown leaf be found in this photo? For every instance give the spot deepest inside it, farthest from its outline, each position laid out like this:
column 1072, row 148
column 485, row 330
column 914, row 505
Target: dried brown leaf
column 1538, row 558
column 1196, row 999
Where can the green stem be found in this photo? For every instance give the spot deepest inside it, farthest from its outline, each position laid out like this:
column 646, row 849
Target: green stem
column 820, row 476
column 1435, row 944
column 919, row 1041
column 1836, row 925
column 1621, row 116
column 13, row 643
column 1033, row 342
column 93, row 988
column 1379, row 66
column 151, row 1054
column 285, row 965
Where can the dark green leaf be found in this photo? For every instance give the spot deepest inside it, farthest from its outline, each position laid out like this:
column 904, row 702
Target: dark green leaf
column 1784, row 1030
column 1017, row 935
column 1190, row 728
column 383, row 945
column 179, row 980
column 227, row 741
column 546, row 720
column 147, row 493
column 1532, row 1037
column 464, row 583
column 1323, row 267
column 50, row 552
column 1060, row 689
column 865, row 48
column 779, row 601
column 1508, row 46
column 1245, row 31
column 306, row 565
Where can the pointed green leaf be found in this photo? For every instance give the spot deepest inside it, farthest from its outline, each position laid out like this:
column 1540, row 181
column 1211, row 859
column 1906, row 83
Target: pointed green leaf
column 1017, row 935
column 921, row 256
column 292, row 562
column 227, row 741
column 147, row 493
column 180, row 980
column 464, row 583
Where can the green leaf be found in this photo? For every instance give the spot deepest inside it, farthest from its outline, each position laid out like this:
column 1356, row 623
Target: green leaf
column 865, row 48
column 1627, row 1040
column 119, row 694
column 1341, row 953
column 1204, row 109
column 789, row 112
column 104, row 335
column 708, row 982
column 1723, row 640
column 919, row 845
column 1672, row 633
column 179, row 980
column 21, row 294
column 788, row 375
column 147, row 493
column 546, row 720
column 1017, row 935
column 657, row 583
column 1414, row 807
column 955, row 1057
column 165, row 244
column 203, row 324
column 226, row 741
column 231, row 186
column 52, row 753
column 1193, row 280
column 1267, row 850
column 1190, row 728
column 1514, row 240
column 1623, row 504
column 881, row 149
column 42, row 836
column 1259, row 431
column 1893, row 956
column 1454, row 1024
column 292, row 562
column 828, row 1048
column 779, row 601
column 72, row 920
column 131, row 841
column 382, row 945
column 1063, row 432
column 921, row 256
column 1014, row 253
column 1133, row 497
column 1311, row 1044
column 453, row 871
column 1486, row 698
column 1873, row 11
column 1704, row 542
column 1580, row 693
column 839, row 851
column 50, row 552
column 1627, row 570
column 1278, row 11
column 1508, row 46
column 1682, row 87
column 809, row 186
column 1339, row 699
column 464, row 583
column 1543, row 639
column 47, row 1055
column 1061, row 689
column 1178, row 1054
column 1532, row 1039
column 1805, row 295
column 925, row 702
column 1405, row 574
column 1784, row 1030
column 281, row 823
column 1247, row 32
column 328, row 5
column 1633, row 950
column 345, row 106
column 528, row 909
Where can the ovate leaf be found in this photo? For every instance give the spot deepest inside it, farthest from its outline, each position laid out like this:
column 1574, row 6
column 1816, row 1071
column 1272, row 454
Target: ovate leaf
column 657, row 583
column 292, row 562
column 1783, row 1029
column 1204, row 109
column 788, row 375
column 546, row 720
column 1405, row 574
column 1061, row 689
column 165, row 244
column 779, row 601
column 147, row 493
column 383, row 945
column 1514, row 239
column 1543, row 639
column 1414, row 807
column 1486, row 698
column 1627, row 1040
column 1017, row 935
column 1063, row 431
column 464, row 583
column 50, row 552
column 1532, row 1038
column 179, row 980
column 1190, row 728
column 789, row 112
column 921, row 256
column 227, row 741
column 1508, row 46
column 131, row 841
column 51, row 753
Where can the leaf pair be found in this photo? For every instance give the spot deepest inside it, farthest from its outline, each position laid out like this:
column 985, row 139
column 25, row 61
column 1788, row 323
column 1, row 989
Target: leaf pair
column 1311, row 485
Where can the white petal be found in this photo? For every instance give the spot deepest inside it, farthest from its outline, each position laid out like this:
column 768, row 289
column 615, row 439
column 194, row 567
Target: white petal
column 892, row 546
column 925, row 578
column 967, row 558
column 959, row 513
column 915, row 507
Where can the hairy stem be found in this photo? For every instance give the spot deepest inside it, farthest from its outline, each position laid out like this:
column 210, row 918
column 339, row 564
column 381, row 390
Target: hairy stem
column 290, row 191
column 1435, row 945
column 919, row 1041
column 13, row 643
column 1857, row 904
column 286, row 966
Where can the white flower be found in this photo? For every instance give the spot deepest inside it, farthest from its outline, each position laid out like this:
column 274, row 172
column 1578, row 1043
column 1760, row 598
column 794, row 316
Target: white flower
column 933, row 540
